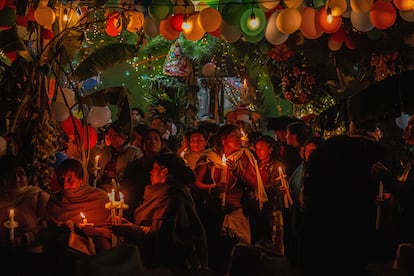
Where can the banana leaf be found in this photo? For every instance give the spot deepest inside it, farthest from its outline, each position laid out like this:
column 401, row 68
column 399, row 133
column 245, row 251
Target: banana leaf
column 104, row 58
column 117, row 96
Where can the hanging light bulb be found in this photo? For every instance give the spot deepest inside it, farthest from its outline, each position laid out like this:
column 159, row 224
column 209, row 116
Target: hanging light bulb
column 65, row 15
column 185, row 26
column 253, row 21
column 329, row 16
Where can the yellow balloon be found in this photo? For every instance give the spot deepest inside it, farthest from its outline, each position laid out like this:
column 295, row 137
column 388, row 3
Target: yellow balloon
column 289, row 20
column 293, row 3
column 361, row 6
column 195, row 32
column 338, row 7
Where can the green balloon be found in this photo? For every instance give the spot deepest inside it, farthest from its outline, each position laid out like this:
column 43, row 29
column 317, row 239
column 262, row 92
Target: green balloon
column 254, row 38
column 160, row 9
column 231, row 12
column 245, row 22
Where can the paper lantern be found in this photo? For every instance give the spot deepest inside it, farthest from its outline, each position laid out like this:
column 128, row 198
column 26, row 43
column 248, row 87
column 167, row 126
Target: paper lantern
column 114, row 24
column 209, row 19
column 3, row 147
column 293, row 3
column 90, row 135
column 350, row 44
column 177, row 21
column 195, row 31
column 167, row 31
column 160, row 9
column 69, row 124
column 404, row 5
column 407, row 15
column 231, row 12
column 99, row 116
column 44, row 16
column 61, row 111
column 310, row 27
column 383, row 15
column 334, row 45
column 136, row 21
column 272, row 33
column 289, row 20
column 151, row 26
column 361, row 21
column 269, row 5
column 230, row 33
column 338, row 7
column 68, row 94
column 361, row 6
column 253, row 26
column 208, row 69
column 326, row 25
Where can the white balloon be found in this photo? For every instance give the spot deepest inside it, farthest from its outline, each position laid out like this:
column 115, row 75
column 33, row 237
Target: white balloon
column 99, row 116
column 230, row 33
column 272, row 34
column 407, row 15
column 361, row 21
column 3, row 147
column 61, row 111
column 69, row 96
column 402, row 121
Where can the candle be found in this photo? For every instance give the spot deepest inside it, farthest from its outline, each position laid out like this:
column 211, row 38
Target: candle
column 223, row 178
column 287, row 198
column 113, row 196
column 121, row 206
column 84, row 219
column 11, row 229
column 96, row 169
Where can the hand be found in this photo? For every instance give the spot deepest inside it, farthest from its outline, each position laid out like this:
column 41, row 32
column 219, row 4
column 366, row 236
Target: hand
column 125, row 229
column 97, row 231
column 223, row 187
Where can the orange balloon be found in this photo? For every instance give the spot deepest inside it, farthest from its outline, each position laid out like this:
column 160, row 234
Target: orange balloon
column 166, row 29
column 361, row 6
column 334, row 45
column 404, row 5
column 382, row 15
column 325, row 25
column 44, row 15
column 209, row 19
column 289, row 20
column 195, row 32
column 310, row 27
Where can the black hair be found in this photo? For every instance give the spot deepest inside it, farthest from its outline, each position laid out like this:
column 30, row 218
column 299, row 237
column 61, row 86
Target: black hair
column 224, row 131
column 270, row 142
column 139, row 110
column 178, row 172
column 301, row 130
column 69, row 165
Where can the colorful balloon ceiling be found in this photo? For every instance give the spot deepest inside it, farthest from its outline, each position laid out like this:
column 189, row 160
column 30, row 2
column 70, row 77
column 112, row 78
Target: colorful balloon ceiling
column 231, row 20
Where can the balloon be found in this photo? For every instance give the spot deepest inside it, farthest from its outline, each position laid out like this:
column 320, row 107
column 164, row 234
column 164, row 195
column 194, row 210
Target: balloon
column 93, row 137
column 361, row 6
column 99, row 116
column 252, row 27
column 3, row 147
column 326, row 25
column 293, row 3
column 61, row 111
column 310, row 27
column 383, row 15
column 209, row 19
column 232, row 11
column 69, row 128
column 152, row 26
column 338, row 7
column 289, row 20
column 230, row 33
column 69, row 96
column 136, row 21
column 361, row 21
column 407, row 15
column 404, row 5
column 334, row 45
column 208, row 69
column 177, row 21
column 89, row 84
column 44, row 15
column 402, row 121
column 269, row 5
column 160, row 9
column 272, row 33
column 195, row 32
column 167, row 31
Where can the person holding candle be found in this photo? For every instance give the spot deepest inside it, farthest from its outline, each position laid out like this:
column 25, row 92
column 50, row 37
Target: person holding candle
column 74, row 198
column 167, row 228
column 22, row 220
column 224, row 219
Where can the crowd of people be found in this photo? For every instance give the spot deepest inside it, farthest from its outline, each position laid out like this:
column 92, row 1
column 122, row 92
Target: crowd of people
column 216, row 202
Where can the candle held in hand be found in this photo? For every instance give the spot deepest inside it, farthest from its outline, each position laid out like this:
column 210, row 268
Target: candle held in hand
column 11, row 220
column 223, row 178
column 84, row 219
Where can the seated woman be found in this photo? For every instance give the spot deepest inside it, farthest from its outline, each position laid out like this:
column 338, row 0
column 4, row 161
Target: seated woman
column 76, row 197
column 27, row 205
column 167, row 228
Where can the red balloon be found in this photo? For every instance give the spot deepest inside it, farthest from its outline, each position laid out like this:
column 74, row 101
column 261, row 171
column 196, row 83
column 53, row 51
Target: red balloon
column 68, row 127
column 11, row 55
column 215, row 33
column 93, row 137
column 47, row 34
column 177, row 21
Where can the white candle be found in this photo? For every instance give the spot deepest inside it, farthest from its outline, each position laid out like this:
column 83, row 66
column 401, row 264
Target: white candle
column 223, row 178
column 84, row 219
column 11, row 229
column 113, row 196
column 96, row 164
column 121, row 206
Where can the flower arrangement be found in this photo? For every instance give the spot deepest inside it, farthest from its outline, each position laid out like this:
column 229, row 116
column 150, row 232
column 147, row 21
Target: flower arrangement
column 298, row 84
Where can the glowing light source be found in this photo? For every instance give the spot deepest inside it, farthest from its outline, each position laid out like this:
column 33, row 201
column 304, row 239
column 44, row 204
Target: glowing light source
column 185, row 26
column 329, row 16
column 65, row 15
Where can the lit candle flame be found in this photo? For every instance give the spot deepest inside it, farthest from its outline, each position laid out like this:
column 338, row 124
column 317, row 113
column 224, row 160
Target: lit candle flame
column 121, row 196
column 82, row 215
column 223, row 159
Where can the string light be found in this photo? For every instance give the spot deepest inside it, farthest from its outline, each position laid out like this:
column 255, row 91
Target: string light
column 185, row 26
column 65, row 15
column 253, row 21
column 329, row 16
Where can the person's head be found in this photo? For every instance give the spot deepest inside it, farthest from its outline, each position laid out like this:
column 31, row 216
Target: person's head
column 137, row 116
column 312, row 144
column 159, row 123
column 117, row 136
column 197, row 140
column 152, row 143
column 138, row 132
column 169, row 168
column 12, row 173
column 297, row 133
column 264, row 147
column 70, row 173
column 229, row 138
column 368, row 128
